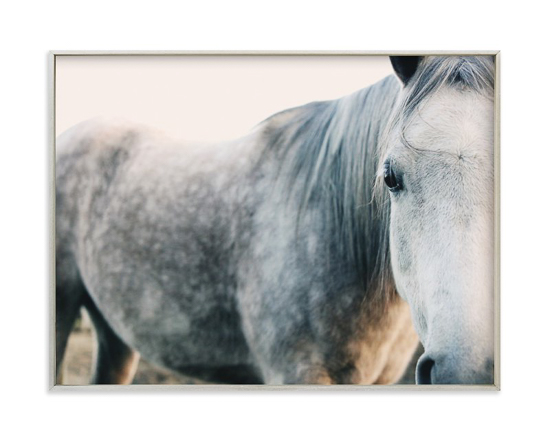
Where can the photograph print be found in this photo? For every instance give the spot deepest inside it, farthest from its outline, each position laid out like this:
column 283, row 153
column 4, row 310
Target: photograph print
column 275, row 219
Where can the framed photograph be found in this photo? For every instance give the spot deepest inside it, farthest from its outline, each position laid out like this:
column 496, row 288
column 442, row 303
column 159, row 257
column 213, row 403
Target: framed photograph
column 275, row 220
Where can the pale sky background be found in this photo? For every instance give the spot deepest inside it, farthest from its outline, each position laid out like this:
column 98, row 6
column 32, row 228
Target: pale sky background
column 203, row 98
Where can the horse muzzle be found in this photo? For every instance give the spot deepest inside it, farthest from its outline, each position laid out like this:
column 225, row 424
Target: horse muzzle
column 453, row 369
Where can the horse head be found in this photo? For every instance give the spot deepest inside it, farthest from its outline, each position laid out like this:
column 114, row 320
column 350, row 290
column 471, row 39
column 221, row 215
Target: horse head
column 438, row 170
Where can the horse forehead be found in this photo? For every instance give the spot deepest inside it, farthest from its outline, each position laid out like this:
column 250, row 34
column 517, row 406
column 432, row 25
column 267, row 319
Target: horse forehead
column 453, row 120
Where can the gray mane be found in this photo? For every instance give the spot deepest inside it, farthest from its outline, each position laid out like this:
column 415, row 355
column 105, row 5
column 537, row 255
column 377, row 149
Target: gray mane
column 463, row 73
column 329, row 152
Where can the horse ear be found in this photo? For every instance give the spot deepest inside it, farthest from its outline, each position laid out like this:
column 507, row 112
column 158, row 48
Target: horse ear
column 405, row 67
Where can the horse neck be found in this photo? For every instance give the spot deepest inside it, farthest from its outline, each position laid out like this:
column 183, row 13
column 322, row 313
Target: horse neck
column 355, row 142
column 330, row 154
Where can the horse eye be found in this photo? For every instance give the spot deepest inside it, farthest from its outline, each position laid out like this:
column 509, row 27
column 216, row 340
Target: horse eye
column 391, row 179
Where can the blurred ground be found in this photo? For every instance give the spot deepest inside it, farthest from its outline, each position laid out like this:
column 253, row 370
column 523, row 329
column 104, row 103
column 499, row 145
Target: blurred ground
column 77, row 368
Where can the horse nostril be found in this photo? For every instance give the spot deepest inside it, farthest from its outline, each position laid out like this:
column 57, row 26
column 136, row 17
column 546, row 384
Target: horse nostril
column 424, row 370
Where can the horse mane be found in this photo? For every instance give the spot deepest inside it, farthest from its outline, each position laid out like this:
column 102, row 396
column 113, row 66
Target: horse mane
column 331, row 151
column 461, row 73
column 328, row 152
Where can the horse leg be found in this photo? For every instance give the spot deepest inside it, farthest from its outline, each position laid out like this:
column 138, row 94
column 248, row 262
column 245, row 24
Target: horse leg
column 115, row 361
column 68, row 300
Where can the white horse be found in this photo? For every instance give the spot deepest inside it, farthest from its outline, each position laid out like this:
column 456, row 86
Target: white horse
column 291, row 255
